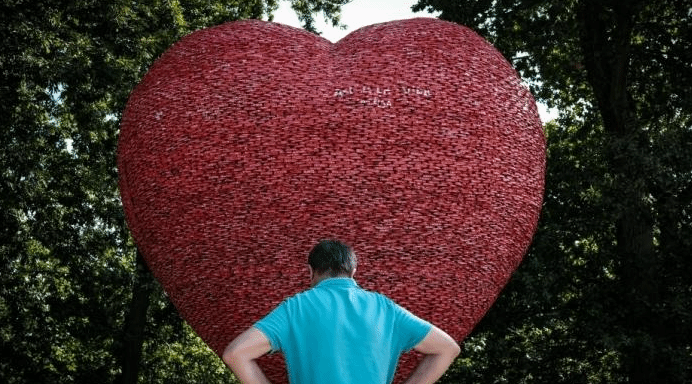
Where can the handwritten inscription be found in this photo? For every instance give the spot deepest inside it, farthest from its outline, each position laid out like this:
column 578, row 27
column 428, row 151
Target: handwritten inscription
column 380, row 97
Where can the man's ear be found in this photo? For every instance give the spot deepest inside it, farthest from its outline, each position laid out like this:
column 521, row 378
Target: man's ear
column 312, row 273
column 353, row 272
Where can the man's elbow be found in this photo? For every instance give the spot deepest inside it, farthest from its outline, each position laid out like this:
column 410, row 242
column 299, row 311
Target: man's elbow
column 248, row 346
column 232, row 355
column 227, row 356
column 454, row 350
column 437, row 342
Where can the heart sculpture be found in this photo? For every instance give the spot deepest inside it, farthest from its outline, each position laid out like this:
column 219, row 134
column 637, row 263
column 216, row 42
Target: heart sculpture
column 414, row 141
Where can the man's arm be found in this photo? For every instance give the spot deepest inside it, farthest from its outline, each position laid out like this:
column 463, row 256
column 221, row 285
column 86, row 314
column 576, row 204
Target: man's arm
column 440, row 350
column 241, row 353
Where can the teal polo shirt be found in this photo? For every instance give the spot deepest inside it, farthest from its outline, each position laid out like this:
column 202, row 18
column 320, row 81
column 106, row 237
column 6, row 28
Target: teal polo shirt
column 339, row 333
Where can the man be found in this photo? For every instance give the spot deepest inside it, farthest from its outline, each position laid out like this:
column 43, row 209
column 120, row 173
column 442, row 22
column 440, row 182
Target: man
column 338, row 333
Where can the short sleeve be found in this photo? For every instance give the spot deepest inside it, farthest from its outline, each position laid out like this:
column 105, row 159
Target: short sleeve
column 411, row 329
column 275, row 326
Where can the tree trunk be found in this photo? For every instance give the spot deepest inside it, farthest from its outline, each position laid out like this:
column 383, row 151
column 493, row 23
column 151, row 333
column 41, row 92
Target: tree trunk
column 606, row 38
column 135, row 322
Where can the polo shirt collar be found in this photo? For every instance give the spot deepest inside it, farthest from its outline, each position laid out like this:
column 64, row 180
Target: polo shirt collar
column 337, row 282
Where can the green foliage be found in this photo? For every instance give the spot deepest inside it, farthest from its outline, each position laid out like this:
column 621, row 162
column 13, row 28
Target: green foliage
column 306, row 9
column 604, row 293
column 67, row 264
column 173, row 353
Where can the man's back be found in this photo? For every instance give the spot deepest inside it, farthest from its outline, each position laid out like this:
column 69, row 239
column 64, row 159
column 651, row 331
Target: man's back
column 337, row 333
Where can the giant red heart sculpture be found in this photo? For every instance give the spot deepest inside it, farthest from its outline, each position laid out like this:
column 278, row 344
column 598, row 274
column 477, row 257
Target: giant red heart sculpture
column 414, row 141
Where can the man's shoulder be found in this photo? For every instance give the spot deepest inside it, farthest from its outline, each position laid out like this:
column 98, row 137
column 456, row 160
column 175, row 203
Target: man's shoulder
column 376, row 295
column 378, row 298
column 299, row 296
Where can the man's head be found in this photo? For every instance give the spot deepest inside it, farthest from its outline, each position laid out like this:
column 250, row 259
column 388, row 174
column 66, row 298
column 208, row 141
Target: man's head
column 332, row 258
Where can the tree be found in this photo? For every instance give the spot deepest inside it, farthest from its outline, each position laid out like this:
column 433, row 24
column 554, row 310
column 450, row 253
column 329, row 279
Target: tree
column 69, row 274
column 604, row 293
